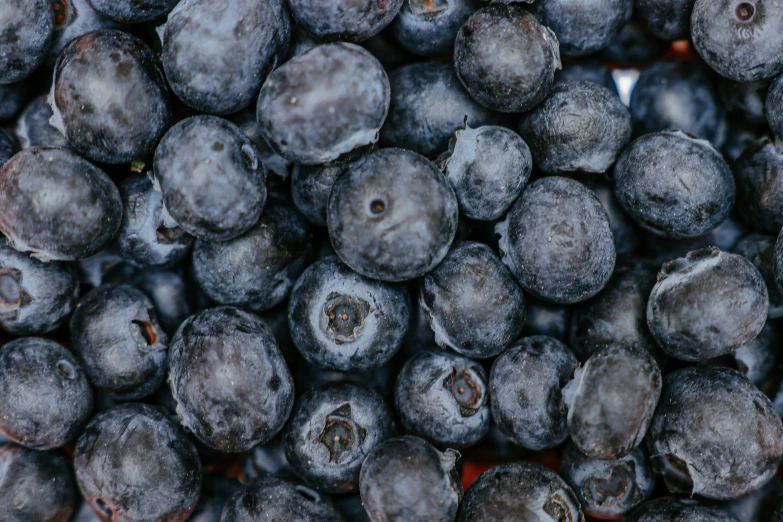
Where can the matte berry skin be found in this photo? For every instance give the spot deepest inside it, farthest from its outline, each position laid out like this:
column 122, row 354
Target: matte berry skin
column 25, row 34
column 350, row 21
column 74, row 18
column 310, row 189
column 33, row 128
column 428, row 28
column 773, row 107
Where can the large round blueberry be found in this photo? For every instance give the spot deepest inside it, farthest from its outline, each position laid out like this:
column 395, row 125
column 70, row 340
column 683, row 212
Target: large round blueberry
column 524, row 488
column 428, row 28
column 668, row 20
column 109, row 97
column 759, row 177
column 77, row 207
column 488, row 168
column 428, row 105
column 557, row 241
column 331, row 431
column 759, row 249
column 349, row 20
column 231, row 383
column 699, row 439
column 472, row 302
column 33, row 128
column 217, row 54
column 133, row 11
column 257, row 269
column 773, row 107
column 343, row 321
column 392, row 215
column 525, row 385
column 25, row 34
column 211, row 177
column 707, row 304
column 407, row 479
column 742, row 40
column 275, row 498
column 674, row 185
column 324, row 103
column 666, row 509
column 310, row 189
column 45, row 397
column 580, row 127
column 134, row 463
column 117, row 335
column 506, row 59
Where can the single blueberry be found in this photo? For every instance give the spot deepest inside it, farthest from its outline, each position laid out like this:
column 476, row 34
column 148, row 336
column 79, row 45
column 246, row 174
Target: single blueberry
column 428, row 28
column 350, row 20
column 26, row 28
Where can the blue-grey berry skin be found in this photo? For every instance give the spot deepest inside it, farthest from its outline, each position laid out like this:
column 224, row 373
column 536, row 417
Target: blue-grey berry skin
column 12, row 99
column 659, row 250
column 116, row 333
column 580, row 127
column 759, row 177
column 33, row 128
column 407, row 479
column 35, row 297
column 331, row 431
column 759, row 249
column 8, row 147
column 741, row 41
column 231, row 383
column 674, row 185
column 587, row 70
column 148, row 235
column 36, row 485
column 310, row 189
column 277, row 167
column 625, row 233
column 74, row 18
column 487, row 167
column 757, row 359
column 216, row 490
column 542, row 318
column 109, row 97
column 133, row 463
column 671, row 509
column 611, row 400
column 777, row 262
column 608, row 488
column 45, row 396
column 773, row 106
column 78, row 207
column 699, row 439
column 707, row 304
column 472, row 302
column 633, row 46
column 525, row 389
column 678, row 95
column 506, row 59
column 350, row 21
column 343, row 321
column 205, row 43
column 133, row 11
column 212, row 178
column 557, row 241
column 392, row 215
column 525, row 489
column 429, row 28
column 428, row 105
column 668, row 20
column 443, row 398
column 257, row 269
column 26, row 28
column 274, row 498
column 324, row 103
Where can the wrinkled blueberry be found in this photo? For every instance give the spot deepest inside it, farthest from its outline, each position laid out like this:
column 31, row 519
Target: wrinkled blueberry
column 25, row 34
column 759, row 175
column 428, row 28
column 352, row 20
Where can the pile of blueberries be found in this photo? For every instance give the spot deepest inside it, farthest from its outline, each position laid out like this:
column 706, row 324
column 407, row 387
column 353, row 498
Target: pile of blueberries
column 391, row 260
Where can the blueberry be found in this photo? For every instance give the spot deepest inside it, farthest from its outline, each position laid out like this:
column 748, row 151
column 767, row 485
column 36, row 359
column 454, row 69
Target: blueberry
column 168, row 291
column 773, row 106
column 343, row 321
column 257, row 269
column 759, row 249
column 428, row 105
column 523, row 488
column 33, row 127
column 608, row 488
column 506, row 59
column 633, row 46
column 668, row 20
column 747, row 100
column 74, row 18
column 625, row 233
column 588, row 70
column 45, row 396
column 557, row 241
column 611, row 401
column 428, row 28
column 488, row 168
column 525, row 385
column 759, row 176
column 669, row 509
column 353, row 21
column 231, row 383
column 216, row 490
column 707, row 304
column 211, row 177
column 580, row 127
column 310, row 189
column 740, row 40
column 542, row 318
column 77, row 207
column 133, row 463
column 35, row 297
column 206, row 43
column 116, row 333
column 678, row 95
column 674, row 185
column 35, row 485
column 407, row 479
column 109, row 97
column 25, row 34
column 275, row 498
column 8, row 147
column 472, row 302
column 148, row 235
column 324, row 103
column 392, row 215
column 12, row 99
column 583, row 27
column 330, row 432
column 699, row 440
